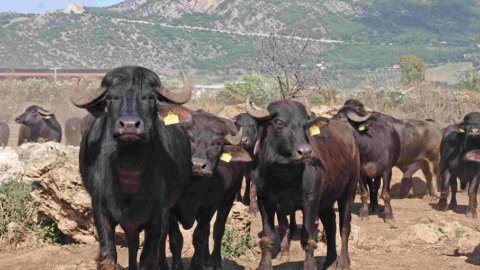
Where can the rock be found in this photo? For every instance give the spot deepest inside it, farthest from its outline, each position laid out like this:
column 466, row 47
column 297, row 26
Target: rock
column 325, row 111
column 10, row 164
column 57, row 187
column 239, row 220
column 421, row 234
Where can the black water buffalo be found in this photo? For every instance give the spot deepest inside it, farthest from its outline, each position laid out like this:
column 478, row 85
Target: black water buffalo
column 249, row 138
column 38, row 125
column 134, row 160
column 4, row 134
column 85, row 122
column 460, row 157
column 419, row 148
column 217, row 172
column 379, row 147
column 72, row 131
column 306, row 164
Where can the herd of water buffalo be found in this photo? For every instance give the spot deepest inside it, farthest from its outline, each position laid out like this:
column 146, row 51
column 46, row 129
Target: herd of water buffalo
column 151, row 164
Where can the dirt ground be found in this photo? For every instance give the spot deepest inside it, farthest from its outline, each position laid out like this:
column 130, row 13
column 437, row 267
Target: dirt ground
column 425, row 239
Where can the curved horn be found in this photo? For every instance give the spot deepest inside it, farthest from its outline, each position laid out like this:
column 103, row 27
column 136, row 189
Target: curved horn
column 234, row 140
column 260, row 114
column 83, row 99
column 44, row 112
column 180, row 95
column 357, row 118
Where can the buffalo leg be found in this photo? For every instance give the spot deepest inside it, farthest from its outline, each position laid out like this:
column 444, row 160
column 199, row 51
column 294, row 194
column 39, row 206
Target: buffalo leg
column 364, row 197
column 218, row 230
column 406, row 187
column 253, row 207
column 133, row 245
column 453, row 188
column 246, row 194
column 283, row 236
column 176, row 243
column 472, row 197
column 374, row 186
column 345, row 219
column 429, row 170
column 200, row 238
column 327, row 217
column 267, row 213
column 447, row 177
column 107, row 257
column 156, row 230
column 388, row 214
column 308, row 241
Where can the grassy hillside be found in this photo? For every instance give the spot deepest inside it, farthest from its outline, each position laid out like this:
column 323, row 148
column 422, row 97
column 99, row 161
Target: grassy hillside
column 375, row 33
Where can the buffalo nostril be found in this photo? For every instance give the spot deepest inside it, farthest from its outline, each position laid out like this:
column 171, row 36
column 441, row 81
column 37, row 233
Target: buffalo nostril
column 204, row 166
column 122, row 124
column 137, row 124
column 304, row 151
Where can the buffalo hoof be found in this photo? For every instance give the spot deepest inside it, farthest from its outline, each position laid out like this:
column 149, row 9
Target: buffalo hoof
column 452, row 206
column 310, row 264
column 343, row 263
column 363, row 214
column 164, row 266
column 253, row 209
column 391, row 222
column 442, row 204
column 328, row 263
column 373, row 208
column 284, row 255
column 106, row 264
column 471, row 213
column 176, row 266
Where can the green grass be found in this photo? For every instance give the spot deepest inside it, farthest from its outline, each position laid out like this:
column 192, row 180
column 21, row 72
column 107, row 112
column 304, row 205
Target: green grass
column 234, row 246
column 447, row 73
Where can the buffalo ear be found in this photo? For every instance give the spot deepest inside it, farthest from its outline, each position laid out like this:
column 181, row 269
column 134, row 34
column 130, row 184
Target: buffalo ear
column 171, row 114
column 235, row 153
column 459, row 128
column 314, row 126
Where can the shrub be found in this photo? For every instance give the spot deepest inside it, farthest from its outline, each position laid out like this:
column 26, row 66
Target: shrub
column 470, row 80
column 235, row 245
column 413, row 68
column 259, row 89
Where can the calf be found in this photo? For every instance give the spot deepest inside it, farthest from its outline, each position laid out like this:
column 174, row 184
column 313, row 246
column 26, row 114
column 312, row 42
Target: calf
column 4, row 134
column 72, row 131
column 460, row 157
column 379, row 147
column 38, row 125
column 250, row 134
column 306, row 164
column 134, row 160
column 217, row 172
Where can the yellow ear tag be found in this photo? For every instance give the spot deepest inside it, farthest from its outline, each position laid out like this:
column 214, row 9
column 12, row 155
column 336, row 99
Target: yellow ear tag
column 47, row 117
column 314, row 130
column 362, row 127
column 461, row 130
column 227, row 157
column 171, row 119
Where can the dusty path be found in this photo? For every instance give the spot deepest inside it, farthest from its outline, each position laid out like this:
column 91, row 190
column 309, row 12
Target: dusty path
column 425, row 239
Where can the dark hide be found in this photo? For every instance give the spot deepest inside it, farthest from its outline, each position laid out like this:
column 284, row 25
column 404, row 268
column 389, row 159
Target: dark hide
column 460, row 157
column 37, row 126
column 250, row 134
column 72, row 131
column 379, row 147
column 419, row 149
column 298, row 170
column 213, row 187
column 133, row 165
column 4, row 134
column 86, row 121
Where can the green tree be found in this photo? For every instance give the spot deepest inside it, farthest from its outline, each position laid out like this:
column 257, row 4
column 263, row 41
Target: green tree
column 413, row 68
column 470, row 80
column 259, row 89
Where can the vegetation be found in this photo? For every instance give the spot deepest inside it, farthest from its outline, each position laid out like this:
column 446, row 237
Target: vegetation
column 261, row 90
column 234, row 246
column 413, row 69
column 470, row 80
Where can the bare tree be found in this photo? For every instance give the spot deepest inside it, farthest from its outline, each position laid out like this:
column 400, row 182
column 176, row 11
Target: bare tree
column 292, row 61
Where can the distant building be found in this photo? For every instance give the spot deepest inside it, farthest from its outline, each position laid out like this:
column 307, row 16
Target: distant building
column 75, row 8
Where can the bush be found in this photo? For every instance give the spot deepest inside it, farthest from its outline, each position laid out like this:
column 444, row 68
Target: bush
column 470, row 80
column 259, row 89
column 235, row 245
column 413, row 68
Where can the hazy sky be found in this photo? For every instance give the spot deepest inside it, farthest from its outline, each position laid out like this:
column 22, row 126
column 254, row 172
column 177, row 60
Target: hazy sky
column 41, row 6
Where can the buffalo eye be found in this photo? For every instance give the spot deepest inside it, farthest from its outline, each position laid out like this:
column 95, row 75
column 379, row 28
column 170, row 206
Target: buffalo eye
column 149, row 97
column 111, row 98
column 279, row 123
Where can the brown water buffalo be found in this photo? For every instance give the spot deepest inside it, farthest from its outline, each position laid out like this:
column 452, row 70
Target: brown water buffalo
column 460, row 157
column 419, row 148
column 72, row 131
column 135, row 161
column 379, row 146
column 306, row 164
column 4, row 134
column 217, row 172
column 38, row 125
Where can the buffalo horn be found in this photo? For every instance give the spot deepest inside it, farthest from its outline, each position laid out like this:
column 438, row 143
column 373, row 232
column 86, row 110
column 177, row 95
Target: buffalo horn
column 180, row 95
column 256, row 113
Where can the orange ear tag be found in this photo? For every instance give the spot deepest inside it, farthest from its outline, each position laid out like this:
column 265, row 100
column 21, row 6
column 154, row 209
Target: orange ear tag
column 171, row 119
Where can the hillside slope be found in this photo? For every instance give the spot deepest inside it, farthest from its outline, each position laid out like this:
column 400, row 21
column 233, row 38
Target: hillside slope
column 374, row 33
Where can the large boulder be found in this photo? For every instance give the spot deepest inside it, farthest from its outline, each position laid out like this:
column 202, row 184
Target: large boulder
column 230, row 111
